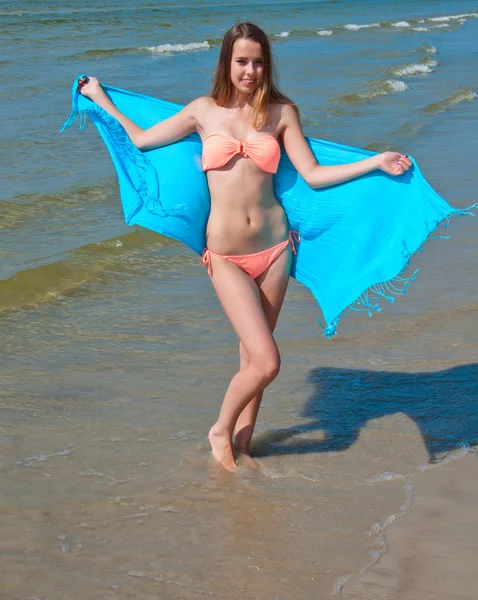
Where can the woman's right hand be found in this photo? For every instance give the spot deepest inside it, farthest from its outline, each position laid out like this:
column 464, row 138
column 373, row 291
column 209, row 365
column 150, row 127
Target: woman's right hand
column 90, row 87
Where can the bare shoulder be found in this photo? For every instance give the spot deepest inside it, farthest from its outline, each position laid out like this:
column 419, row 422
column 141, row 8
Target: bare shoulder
column 286, row 117
column 202, row 103
column 288, row 114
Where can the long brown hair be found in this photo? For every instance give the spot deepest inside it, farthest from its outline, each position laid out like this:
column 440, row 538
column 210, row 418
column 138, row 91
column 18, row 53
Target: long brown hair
column 266, row 93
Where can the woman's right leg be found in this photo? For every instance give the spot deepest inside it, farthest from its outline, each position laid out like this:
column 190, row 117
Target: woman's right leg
column 241, row 301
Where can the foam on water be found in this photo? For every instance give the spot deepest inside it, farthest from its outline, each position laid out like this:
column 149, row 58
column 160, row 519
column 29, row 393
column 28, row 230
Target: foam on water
column 170, row 48
column 387, row 476
column 378, row 529
column 283, row 34
column 325, row 32
column 448, row 458
column 353, row 27
column 376, row 89
column 401, row 24
column 43, row 457
column 415, row 68
column 397, row 86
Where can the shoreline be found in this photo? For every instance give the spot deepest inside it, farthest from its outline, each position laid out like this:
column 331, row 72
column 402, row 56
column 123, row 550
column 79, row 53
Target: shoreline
column 432, row 552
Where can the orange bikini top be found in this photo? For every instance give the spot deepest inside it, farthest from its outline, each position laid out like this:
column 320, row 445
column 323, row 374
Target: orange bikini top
column 218, row 149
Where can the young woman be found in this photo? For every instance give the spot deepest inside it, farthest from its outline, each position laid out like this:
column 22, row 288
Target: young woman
column 249, row 245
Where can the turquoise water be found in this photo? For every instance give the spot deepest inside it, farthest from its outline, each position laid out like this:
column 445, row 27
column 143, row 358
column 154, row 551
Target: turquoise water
column 115, row 353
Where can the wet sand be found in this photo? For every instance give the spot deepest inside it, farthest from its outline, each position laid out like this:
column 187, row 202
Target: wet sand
column 433, row 551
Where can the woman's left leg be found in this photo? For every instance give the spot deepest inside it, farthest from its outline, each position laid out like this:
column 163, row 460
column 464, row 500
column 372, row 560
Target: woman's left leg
column 272, row 286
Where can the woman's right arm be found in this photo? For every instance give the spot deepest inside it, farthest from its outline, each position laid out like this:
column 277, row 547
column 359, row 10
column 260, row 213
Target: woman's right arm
column 166, row 132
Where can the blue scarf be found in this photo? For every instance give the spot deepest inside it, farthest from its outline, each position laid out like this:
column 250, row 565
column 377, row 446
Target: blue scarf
column 356, row 237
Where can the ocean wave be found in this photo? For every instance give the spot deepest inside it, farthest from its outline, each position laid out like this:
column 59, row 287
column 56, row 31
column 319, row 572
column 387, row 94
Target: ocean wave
column 62, row 275
column 353, row 27
column 20, row 210
column 397, row 86
column 428, row 48
column 425, row 66
column 452, row 17
column 413, row 69
column 101, row 53
column 377, row 89
column 170, row 48
column 440, row 18
column 418, row 25
column 447, row 103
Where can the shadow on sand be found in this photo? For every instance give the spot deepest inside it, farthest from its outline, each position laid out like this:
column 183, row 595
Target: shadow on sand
column 443, row 404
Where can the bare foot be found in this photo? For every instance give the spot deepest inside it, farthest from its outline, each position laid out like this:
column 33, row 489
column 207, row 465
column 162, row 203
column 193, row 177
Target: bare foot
column 243, row 446
column 221, row 447
column 250, row 462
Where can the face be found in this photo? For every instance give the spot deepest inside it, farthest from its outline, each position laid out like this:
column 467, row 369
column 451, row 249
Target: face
column 247, row 67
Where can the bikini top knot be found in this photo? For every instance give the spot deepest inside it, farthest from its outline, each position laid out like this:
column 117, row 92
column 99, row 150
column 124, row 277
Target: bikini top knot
column 219, row 149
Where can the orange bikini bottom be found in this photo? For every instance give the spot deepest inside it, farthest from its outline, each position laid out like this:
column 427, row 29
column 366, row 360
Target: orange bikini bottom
column 253, row 264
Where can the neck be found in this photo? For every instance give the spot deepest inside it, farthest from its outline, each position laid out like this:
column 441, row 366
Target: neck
column 239, row 100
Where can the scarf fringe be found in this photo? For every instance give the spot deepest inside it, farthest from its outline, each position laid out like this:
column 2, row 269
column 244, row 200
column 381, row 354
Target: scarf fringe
column 368, row 301
column 74, row 116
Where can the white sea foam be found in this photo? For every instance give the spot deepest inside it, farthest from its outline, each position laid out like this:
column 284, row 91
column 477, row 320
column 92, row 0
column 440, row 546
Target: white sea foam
column 94, row 473
column 401, row 24
column 463, row 96
column 386, row 476
column 429, row 48
column 412, row 69
column 354, row 27
column 420, row 29
column 43, row 457
column 325, row 32
column 453, row 17
column 283, row 34
column 372, row 93
column 440, row 25
column 397, row 86
column 448, row 458
column 340, row 582
column 167, row 48
column 382, row 525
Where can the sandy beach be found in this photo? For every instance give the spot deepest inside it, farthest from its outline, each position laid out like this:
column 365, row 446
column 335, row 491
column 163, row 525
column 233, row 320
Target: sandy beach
column 432, row 552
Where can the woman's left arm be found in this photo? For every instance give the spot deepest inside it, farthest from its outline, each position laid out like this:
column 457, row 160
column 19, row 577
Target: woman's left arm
column 318, row 176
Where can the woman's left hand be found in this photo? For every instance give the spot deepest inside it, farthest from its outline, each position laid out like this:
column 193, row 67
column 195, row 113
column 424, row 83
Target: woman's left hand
column 394, row 163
